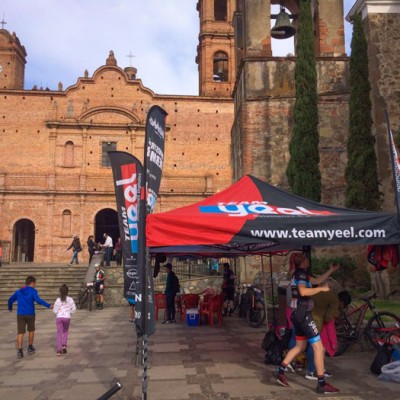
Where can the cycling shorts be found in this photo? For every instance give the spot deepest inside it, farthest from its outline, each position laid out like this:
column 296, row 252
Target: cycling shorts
column 99, row 287
column 305, row 326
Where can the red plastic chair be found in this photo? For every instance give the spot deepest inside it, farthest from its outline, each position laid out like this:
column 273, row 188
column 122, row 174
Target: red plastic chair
column 208, row 309
column 160, row 303
column 188, row 301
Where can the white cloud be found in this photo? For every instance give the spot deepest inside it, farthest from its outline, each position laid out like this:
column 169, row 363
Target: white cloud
column 65, row 37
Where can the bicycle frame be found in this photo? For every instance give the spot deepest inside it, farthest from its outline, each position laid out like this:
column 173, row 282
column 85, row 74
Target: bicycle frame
column 346, row 315
column 362, row 309
column 377, row 330
column 86, row 294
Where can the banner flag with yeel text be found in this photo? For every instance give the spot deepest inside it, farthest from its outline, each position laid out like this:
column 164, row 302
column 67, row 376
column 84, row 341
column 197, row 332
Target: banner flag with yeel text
column 154, row 158
column 129, row 183
column 395, row 165
column 153, row 166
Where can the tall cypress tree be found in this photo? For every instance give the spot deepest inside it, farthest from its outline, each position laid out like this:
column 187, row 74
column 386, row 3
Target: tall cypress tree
column 362, row 185
column 303, row 172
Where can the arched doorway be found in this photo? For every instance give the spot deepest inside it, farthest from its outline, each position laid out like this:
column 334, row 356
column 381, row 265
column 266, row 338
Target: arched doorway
column 106, row 221
column 23, row 240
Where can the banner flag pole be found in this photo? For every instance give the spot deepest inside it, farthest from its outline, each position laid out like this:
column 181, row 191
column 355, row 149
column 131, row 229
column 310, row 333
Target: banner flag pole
column 136, row 190
column 395, row 164
column 153, row 167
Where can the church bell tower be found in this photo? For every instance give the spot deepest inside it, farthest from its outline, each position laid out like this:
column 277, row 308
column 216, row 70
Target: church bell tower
column 215, row 51
column 12, row 60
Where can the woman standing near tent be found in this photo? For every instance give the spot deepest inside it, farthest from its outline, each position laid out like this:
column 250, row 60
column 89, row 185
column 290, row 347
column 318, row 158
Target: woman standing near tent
column 302, row 319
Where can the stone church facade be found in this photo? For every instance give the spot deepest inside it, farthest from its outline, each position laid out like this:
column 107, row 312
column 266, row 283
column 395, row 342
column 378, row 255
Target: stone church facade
column 55, row 178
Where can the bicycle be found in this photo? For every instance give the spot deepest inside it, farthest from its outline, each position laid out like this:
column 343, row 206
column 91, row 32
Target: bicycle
column 249, row 301
column 85, row 297
column 379, row 330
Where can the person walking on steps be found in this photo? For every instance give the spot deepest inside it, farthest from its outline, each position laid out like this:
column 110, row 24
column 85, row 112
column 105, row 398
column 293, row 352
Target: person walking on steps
column 63, row 308
column 303, row 322
column 108, row 248
column 76, row 248
column 99, row 278
column 91, row 246
column 26, row 298
column 118, row 252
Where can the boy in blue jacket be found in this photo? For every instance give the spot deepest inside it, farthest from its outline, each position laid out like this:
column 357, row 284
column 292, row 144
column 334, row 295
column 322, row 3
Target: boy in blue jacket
column 26, row 297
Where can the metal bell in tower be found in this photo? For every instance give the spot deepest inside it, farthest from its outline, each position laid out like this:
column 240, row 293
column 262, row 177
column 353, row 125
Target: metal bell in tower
column 283, row 28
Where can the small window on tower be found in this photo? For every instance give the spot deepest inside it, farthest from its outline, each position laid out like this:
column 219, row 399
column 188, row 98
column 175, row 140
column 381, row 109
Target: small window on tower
column 220, row 10
column 105, row 148
column 220, row 72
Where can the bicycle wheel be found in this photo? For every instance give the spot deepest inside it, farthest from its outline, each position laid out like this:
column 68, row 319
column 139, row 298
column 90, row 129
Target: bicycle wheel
column 84, row 300
column 256, row 314
column 345, row 335
column 80, row 299
column 236, row 304
column 90, row 300
column 381, row 328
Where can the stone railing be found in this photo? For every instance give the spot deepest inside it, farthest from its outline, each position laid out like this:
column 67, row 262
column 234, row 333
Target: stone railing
column 113, row 294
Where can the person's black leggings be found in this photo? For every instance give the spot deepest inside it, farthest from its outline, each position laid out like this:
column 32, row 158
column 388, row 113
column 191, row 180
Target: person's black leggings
column 170, row 300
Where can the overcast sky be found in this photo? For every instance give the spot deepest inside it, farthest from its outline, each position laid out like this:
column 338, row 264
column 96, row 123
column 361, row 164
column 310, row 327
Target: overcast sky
column 65, row 37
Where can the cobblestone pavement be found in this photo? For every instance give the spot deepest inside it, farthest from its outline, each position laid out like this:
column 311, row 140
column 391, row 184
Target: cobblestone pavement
column 185, row 363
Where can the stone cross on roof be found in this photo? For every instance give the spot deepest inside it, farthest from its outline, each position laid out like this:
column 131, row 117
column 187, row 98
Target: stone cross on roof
column 2, row 22
column 130, row 56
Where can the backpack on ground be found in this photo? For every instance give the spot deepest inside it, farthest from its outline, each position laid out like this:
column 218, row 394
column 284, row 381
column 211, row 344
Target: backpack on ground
column 274, row 348
column 383, row 357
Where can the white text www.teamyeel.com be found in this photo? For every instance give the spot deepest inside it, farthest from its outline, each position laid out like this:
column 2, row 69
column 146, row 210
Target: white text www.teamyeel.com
column 329, row 234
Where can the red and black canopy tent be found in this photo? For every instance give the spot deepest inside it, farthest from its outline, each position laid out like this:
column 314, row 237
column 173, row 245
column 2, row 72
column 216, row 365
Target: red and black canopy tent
column 253, row 217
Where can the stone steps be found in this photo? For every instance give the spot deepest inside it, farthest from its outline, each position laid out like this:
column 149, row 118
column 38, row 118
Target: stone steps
column 49, row 279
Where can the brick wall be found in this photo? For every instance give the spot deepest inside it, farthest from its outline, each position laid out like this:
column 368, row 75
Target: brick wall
column 39, row 177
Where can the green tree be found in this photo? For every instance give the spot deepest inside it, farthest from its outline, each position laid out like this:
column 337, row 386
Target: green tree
column 362, row 184
column 302, row 171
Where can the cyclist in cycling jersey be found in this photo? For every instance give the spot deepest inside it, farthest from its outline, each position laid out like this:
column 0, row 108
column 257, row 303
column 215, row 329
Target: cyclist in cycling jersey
column 303, row 322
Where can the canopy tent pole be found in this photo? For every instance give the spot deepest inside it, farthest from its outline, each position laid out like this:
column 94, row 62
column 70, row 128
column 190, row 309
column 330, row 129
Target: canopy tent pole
column 264, row 291
column 272, row 288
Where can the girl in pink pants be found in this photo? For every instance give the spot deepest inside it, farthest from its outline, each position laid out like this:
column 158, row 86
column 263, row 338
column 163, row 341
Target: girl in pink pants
column 63, row 308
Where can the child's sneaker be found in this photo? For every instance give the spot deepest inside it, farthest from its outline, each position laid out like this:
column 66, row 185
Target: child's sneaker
column 31, row 350
column 64, row 350
column 20, row 354
column 326, row 389
column 281, row 378
column 58, row 353
column 290, row 368
column 311, row 375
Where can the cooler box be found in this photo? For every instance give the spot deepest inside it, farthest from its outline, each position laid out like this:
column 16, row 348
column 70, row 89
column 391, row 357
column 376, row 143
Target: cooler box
column 192, row 317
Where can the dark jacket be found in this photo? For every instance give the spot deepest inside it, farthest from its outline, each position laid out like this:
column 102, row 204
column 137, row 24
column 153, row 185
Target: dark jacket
column 171, row 284
column 75, row 245
column 26, row 297
column 91, row 245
